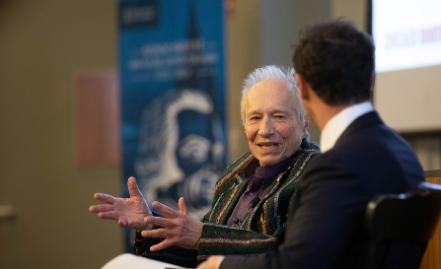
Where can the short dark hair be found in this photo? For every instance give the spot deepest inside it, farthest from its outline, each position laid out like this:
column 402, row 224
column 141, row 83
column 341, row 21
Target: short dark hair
column 337, row 60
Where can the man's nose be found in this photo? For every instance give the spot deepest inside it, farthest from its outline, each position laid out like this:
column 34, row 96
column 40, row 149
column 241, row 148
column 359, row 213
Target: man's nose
column 266, row 127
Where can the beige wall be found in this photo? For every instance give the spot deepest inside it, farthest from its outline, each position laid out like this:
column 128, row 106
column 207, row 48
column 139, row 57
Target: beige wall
column 243, row 55
column 43, row 44
column 352, row 10
column 280, row 25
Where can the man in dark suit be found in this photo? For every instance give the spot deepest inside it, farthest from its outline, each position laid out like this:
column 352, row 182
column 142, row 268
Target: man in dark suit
column 362, row 157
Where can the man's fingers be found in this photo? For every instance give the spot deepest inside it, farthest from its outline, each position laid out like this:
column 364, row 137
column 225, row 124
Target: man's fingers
column 158, row 221
column 182, row 206
column 122, row 223
column 166, row 211
column 154, row 233
column 101, row 208
column 104, row 197
column 108, row 215
column 161, row 245
column 133, row 187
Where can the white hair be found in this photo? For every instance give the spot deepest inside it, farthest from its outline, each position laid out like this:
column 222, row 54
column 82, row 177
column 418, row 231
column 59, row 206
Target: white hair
column 273, row 72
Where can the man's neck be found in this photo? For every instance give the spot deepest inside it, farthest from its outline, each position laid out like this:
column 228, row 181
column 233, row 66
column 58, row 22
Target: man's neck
column 326, row 112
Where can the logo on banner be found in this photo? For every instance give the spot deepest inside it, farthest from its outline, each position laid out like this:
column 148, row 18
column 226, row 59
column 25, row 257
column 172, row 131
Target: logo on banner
column 179, row 153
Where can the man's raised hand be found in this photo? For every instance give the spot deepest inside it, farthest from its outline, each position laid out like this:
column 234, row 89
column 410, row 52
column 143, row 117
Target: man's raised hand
column 128, row 212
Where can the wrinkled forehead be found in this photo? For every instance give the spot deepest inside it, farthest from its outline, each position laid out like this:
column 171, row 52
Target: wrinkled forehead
column 270, row 96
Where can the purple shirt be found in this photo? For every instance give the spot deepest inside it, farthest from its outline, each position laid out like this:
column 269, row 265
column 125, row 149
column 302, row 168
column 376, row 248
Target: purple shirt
column 258, row 185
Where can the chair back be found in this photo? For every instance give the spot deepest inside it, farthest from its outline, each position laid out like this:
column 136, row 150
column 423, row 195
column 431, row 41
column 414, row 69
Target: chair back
column 400, row 226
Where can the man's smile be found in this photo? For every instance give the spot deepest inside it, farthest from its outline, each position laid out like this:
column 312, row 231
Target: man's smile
column 268, row 146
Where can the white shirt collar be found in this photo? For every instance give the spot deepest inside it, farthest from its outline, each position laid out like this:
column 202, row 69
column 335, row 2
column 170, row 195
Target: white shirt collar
column 337, row 124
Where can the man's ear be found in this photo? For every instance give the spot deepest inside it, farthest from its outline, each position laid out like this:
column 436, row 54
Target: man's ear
column 305, row 124
column 302, row 86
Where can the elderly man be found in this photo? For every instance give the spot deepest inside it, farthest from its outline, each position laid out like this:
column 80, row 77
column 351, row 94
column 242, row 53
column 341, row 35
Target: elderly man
column 251, row 199
column 361, row 158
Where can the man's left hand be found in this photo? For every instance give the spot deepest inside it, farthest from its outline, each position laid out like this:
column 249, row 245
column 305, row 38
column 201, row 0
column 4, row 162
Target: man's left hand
column 176, row 227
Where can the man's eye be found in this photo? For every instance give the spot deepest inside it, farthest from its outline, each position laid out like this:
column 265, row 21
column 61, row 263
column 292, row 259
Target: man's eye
column 279, row 116
column 254, row 118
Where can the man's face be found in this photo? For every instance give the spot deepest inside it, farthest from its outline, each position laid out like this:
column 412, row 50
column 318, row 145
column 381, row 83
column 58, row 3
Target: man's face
column 271, row 124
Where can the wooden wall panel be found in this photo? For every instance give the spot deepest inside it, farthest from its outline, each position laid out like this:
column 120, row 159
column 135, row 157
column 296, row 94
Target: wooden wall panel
column 96, row 118
column 432, row 257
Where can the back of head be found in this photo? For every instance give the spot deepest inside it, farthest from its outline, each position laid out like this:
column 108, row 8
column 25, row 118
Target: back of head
column 337, row 61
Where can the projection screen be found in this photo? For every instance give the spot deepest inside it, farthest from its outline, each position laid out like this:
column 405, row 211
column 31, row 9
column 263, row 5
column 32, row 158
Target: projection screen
column 407, row 36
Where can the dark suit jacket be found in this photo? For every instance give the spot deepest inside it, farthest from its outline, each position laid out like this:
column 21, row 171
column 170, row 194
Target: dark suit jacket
column 325, row 226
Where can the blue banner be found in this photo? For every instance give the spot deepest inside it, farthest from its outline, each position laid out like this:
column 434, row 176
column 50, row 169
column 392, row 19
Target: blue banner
column 173, row 98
